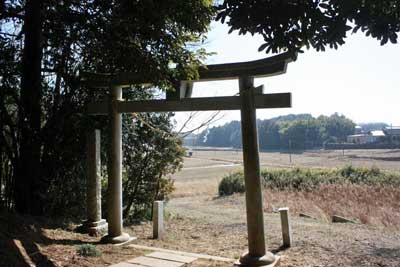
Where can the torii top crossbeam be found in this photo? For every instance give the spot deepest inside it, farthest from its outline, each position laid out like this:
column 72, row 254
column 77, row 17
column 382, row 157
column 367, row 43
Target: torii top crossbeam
column 271, row 66
column 181, row 101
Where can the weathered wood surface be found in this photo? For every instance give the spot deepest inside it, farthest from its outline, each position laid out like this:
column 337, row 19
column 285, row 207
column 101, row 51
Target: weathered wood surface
column 251, row 164
column 286, row 227
column 271, row 66
column 281, row 100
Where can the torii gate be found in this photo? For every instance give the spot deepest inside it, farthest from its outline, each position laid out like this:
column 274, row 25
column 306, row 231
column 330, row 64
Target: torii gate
column 247, row 102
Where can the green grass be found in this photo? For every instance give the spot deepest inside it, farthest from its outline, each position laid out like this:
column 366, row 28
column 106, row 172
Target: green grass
column 88, row 250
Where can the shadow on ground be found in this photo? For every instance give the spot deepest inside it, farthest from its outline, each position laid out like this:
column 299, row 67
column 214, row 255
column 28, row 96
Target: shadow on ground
column 21, row 239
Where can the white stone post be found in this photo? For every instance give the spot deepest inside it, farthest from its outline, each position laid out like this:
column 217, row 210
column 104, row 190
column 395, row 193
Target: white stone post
column 94, row 225
column 114, row 205
column 286, row 228
column 158, row 219
column 257, row 255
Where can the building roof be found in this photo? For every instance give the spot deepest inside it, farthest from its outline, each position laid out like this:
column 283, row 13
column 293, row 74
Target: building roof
column 359, row 135
column 378, row 133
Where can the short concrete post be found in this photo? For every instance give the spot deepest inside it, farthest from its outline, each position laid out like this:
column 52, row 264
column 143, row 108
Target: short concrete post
column 158, row 220
column 286, row 229
column 114, row 197
column 94, row 225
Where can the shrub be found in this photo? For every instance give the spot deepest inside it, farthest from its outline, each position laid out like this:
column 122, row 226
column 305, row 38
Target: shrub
column 231, row 183
column 151, row 154
column 307, row 179
column 88, row 250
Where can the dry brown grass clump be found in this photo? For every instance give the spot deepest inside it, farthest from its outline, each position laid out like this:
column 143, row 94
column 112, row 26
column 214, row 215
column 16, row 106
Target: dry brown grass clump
column 379, row 206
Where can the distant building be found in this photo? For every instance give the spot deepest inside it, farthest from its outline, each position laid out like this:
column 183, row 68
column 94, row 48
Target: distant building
column 360, row 139
column 358, row 129
column 392, row 134
column 392, row 131
column 378, row 133
column 366, row 138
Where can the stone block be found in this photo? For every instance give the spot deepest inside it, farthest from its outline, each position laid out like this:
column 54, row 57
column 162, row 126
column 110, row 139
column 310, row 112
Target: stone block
column 339, row 219
column 171, row 257
column 125, row 264
column 158, row 220
column 304, row 215
column 152, row 262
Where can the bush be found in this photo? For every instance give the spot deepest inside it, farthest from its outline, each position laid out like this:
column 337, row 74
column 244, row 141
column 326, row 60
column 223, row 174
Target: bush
column 231, row 183
column 88, row 250
column 307, row 179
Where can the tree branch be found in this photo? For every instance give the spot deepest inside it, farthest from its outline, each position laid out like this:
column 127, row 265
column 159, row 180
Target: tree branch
column 211, row 119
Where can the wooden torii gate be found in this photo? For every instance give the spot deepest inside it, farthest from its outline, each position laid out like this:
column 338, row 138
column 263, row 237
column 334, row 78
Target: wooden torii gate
column 247, row 102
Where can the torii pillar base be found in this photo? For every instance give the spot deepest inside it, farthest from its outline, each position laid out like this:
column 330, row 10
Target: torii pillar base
column 99, row 228
column 268, row 260
column 120, row 240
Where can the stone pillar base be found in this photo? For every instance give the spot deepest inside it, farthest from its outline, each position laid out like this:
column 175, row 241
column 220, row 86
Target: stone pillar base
column 268, row 260
column 99, row 228
column 123, row 238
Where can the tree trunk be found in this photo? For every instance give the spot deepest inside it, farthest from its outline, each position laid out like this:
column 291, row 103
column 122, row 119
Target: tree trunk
column 2, row 151
column 27, row 185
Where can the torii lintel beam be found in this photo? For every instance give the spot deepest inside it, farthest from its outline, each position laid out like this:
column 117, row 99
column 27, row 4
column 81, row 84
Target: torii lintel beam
column 270, row 66
column 280, row 100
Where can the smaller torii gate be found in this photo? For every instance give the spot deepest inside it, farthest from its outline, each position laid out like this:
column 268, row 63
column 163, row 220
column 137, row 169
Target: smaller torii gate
column 247, row 102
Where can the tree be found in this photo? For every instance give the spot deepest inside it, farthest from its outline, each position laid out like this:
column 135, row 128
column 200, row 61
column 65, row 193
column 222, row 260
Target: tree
column 50, row 41
column 27, row 184
column 300, row 131
column 294, row 24
column 151, row 155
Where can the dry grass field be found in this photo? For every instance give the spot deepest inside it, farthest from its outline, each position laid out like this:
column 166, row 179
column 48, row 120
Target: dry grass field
column 203, row 171
column 203, row 222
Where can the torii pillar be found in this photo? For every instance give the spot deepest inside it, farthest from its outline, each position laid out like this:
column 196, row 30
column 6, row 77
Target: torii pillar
column 95, row 225
column 114, row 198
column 257, row 255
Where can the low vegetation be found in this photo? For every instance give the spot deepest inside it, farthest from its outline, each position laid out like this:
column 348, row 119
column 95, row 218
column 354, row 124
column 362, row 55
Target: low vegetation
column 88, row 250
column 231, row 183
column 308, row 179
column 369, row 196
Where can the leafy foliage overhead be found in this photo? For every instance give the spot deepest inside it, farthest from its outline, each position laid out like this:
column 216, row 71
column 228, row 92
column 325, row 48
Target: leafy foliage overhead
column 43, row 123
column 293, row 24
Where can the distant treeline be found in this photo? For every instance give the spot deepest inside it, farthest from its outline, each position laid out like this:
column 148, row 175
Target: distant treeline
column 285, row 132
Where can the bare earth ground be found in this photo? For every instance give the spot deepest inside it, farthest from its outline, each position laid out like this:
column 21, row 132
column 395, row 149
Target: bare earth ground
column 201, row 222
column 28, row 242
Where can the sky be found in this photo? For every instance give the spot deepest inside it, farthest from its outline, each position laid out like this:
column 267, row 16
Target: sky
column 360, row 80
